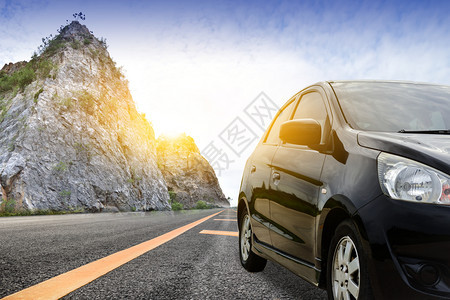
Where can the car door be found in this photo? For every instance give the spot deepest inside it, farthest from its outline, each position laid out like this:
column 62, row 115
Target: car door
column 295, row 184
column 260, row 172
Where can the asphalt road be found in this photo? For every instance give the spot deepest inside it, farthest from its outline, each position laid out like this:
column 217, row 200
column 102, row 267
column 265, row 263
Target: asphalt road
column 190, row 266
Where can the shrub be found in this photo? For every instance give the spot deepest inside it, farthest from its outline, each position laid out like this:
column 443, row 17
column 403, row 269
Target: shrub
column 6, row 83
column 10, row 205
column 25, row 76
column 20, row 79
column 201, row 205
column 172, row 195
column 177, row 205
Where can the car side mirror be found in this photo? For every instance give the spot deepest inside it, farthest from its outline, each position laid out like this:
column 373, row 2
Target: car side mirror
column 301, row 132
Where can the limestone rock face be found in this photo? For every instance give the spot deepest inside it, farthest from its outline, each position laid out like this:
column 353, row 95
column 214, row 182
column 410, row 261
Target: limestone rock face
column 188, row 174
column 71, row 138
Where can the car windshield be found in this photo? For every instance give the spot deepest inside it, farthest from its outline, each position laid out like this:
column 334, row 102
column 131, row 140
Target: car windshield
column 394, row 106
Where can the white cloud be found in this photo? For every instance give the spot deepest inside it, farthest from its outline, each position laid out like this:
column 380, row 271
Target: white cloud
column 197, row 65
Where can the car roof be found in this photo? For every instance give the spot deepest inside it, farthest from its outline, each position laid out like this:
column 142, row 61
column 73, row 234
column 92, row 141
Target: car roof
column 381, row 81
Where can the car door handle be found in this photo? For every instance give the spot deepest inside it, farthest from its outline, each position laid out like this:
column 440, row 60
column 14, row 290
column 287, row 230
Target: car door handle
column 253, row 169
column 276, row 176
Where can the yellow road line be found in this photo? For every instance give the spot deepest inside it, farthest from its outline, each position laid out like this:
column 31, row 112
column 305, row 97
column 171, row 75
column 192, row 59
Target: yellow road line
column 219, row 232
column 61, row 285
column 225, row 220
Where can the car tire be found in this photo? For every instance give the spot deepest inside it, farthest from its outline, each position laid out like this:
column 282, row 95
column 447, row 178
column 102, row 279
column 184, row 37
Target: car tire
column 249, row 260
column 347, row 271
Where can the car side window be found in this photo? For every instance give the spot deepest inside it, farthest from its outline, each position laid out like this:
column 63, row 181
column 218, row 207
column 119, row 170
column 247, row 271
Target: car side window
column 311, row 106
column 273, row 136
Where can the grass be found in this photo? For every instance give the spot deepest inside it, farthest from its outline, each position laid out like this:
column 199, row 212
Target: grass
column 65, row 193
column 40, row 212
column 60, row 167
column 8, row 209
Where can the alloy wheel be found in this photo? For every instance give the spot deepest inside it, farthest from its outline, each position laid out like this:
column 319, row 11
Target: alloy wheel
column 346, row 270
column 246, row 233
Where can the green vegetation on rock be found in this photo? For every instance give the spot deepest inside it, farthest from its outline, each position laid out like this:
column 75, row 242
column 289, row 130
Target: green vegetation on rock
column 36, row 96
column 177, row 206
column 201, row 205
column 87, row 101
column 19, row 79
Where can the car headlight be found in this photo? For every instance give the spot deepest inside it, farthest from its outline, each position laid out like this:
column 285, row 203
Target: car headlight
column 404, row 179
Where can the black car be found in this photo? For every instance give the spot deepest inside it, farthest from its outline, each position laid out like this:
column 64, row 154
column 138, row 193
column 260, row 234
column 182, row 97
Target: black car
column 349, row 188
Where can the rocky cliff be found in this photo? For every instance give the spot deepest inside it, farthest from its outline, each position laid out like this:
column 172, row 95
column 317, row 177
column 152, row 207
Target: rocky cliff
column 189, row 176
column 70, row 135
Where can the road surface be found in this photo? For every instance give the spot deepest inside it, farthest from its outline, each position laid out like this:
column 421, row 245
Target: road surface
column 200, row 263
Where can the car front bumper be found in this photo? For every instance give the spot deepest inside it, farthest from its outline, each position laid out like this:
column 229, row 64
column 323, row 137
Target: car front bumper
column 409, row 246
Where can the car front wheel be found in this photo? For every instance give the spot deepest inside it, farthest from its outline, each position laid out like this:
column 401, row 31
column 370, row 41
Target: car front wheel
column 347, row 265
column 249, row 260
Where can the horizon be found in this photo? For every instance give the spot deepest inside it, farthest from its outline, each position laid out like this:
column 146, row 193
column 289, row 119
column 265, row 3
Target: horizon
column 200, row 67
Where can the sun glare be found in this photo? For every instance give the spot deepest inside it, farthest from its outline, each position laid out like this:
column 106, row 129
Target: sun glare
column 168, row 130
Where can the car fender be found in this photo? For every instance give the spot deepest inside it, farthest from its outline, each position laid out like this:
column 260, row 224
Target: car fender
column 335, row 210
column 242, row 204
column 338, row 208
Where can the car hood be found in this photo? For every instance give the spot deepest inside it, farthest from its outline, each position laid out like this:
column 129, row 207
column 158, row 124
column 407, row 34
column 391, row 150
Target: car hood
column 429, row 149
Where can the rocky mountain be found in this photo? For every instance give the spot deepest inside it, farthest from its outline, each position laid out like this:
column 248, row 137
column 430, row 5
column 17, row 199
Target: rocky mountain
column 70, row 135
column 189, row 176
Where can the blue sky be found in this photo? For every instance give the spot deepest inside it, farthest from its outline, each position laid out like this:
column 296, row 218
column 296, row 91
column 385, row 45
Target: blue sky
column 194, row 66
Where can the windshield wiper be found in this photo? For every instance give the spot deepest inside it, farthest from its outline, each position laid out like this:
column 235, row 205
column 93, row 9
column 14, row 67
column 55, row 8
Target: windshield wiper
column 443, row 131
